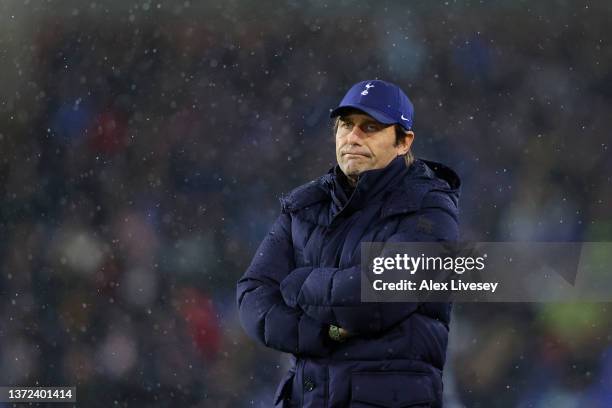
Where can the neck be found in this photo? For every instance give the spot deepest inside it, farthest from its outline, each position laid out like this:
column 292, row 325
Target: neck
column 352, row 180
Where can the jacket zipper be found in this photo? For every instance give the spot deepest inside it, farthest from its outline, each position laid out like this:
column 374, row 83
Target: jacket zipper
column 301, row 383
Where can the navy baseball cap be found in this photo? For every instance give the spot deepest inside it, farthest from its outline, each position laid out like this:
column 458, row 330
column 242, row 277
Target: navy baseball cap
column 382, row 100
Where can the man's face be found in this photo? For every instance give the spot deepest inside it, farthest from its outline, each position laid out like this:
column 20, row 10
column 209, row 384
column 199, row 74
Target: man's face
column 362, row 143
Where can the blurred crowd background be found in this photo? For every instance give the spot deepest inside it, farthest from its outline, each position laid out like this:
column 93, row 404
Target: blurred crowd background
column 144, row 145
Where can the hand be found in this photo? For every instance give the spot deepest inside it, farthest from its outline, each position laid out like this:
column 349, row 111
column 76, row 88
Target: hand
column 337, row 333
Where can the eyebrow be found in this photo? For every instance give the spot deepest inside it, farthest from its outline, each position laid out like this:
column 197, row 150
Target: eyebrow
column 365, row 122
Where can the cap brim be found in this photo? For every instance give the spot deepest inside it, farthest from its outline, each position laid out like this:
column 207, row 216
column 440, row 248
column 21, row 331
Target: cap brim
column 376, row 114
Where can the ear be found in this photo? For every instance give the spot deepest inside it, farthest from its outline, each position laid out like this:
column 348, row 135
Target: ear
column 404, row 146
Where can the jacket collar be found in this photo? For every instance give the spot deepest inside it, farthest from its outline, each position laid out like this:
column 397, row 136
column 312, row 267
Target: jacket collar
column 402, row 189
column 370, row 185
column 425, row 176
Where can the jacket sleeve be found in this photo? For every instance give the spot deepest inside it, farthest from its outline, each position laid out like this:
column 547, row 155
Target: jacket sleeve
column 262, row 311
column 333, row 295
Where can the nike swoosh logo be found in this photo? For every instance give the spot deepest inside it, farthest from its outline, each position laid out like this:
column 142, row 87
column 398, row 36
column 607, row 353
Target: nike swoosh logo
column 403, row 118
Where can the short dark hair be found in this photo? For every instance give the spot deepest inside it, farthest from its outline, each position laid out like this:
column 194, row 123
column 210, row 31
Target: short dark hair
column 400, row 133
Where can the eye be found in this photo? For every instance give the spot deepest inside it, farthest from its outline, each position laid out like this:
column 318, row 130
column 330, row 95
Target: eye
column 346, row 125
column 372, row 127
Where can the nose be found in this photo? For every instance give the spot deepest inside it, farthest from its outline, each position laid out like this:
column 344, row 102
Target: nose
column 354, row 136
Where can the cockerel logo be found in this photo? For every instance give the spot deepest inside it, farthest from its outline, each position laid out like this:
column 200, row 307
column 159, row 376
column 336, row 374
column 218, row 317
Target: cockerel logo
column 368, row 86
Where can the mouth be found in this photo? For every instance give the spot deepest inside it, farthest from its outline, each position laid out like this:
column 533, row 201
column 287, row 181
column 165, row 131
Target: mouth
column 355, row 154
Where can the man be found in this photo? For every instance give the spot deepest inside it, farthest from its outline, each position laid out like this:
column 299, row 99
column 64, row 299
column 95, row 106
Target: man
column 301, row 293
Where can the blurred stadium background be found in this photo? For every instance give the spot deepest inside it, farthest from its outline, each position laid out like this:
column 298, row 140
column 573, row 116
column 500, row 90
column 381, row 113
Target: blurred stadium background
column 144, row 145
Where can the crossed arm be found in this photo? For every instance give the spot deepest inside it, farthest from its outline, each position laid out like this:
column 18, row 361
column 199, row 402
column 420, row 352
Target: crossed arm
column 290, row 309
column 333, row 295
column 263, row 313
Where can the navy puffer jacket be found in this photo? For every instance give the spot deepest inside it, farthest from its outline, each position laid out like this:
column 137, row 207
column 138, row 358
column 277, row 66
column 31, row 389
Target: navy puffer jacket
column 306, row 275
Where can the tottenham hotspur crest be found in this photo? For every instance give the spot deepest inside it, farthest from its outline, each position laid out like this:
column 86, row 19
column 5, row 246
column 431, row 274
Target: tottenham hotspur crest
column 368, row 86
